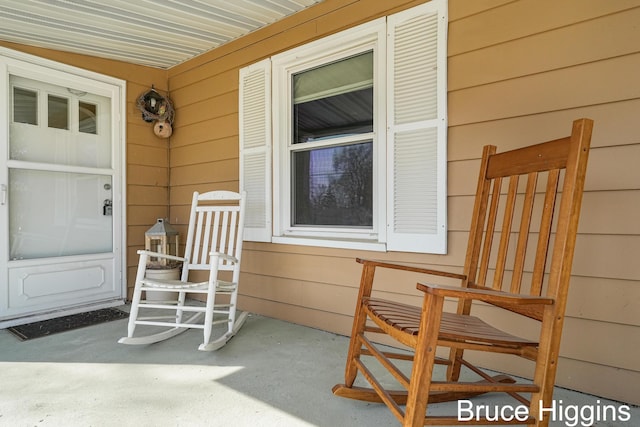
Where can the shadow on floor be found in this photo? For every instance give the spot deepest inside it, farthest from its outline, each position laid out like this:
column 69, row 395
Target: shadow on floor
column 273, row 373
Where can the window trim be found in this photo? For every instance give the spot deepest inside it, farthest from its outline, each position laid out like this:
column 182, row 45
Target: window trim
column 360, row 39
column 399, row 145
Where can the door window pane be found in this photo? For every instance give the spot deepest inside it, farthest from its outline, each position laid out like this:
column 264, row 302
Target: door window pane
column 58, row 112
column 87, row 118
column 58, row 214
column 61, row 140
column 333, row 186
column 25, row 106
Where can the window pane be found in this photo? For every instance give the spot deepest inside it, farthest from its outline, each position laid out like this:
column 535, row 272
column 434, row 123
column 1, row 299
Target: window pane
column 87, row 118
column 334, row 100
column 58, row 214
column 25, row 106
column 69, row 134
column 333, row 186
column 58, row 112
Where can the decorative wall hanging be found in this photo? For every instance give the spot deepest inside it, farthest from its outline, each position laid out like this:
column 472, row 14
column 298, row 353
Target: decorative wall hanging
column 158, row 108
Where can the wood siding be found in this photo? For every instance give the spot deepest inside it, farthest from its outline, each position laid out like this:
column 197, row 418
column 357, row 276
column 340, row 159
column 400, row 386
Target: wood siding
column 519, row 72
column 536, row 66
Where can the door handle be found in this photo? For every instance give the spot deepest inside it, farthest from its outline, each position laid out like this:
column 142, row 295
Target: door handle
column 107, row 208
column 3, row 196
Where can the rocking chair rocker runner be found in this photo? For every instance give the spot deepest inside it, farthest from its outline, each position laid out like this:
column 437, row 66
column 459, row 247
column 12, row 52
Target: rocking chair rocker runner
column 512, row 262
column 214, row 245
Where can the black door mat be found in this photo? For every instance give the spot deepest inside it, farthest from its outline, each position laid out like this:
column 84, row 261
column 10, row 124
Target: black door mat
column 66, row 323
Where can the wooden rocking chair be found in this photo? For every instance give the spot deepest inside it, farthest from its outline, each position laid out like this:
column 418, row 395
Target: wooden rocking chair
column 505, row 225
column 214, row 245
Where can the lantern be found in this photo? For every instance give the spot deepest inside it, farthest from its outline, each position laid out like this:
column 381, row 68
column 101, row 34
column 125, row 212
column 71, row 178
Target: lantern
column 164, row 239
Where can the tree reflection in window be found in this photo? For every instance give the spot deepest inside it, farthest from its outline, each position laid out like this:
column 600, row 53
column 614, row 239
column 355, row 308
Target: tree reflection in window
column 333, row 186
column 332, row 109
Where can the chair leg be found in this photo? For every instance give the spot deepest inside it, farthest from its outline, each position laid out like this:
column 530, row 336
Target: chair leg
column 359, row 322
column 423, row 362
column 182, row 297
column 137, row 295
column 455, row 366
column 208, row 315
column 133, row 312
column 221, row 341
column 545, row 372
column 455, row 354
column 238, row 322
column 355, row 347
column 233, row 305
column 347, row 389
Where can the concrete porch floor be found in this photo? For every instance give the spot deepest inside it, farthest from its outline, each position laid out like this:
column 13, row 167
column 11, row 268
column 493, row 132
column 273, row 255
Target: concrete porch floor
column 273, row 373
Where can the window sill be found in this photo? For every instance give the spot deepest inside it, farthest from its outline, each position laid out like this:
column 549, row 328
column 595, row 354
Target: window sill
column 331, row 243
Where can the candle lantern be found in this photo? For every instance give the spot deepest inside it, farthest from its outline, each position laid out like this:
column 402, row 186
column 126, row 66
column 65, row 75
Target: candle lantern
column 164, row 239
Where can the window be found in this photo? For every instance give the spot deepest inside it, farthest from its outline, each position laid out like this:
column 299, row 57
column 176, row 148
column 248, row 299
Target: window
column 58, row 112
column 343, row 140
column 333, row 100
column 332, row 186
column 332, row 144
column 87, row 118
column 25, row 106
column 25, row 110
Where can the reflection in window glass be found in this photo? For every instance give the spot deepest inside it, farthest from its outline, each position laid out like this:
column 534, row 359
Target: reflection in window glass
column 334, row 100
column 87, row 118
column 334, row 186
column 25, row 106
column 58, row 112
column 72, row 223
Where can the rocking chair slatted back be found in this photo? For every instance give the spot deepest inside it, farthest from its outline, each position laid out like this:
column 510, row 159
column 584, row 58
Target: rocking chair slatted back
column 213, row 229
column 512, row 229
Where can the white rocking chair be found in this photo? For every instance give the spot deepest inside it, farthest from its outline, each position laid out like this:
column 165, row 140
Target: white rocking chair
column 214, row 244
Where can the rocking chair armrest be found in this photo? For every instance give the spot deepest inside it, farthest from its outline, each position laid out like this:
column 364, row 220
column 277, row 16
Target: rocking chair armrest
column 161, row 255
column 486, row 295
column 224, row 257
column 409, row 267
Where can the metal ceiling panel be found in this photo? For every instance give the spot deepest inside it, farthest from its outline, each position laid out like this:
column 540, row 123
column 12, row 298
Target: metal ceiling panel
column 156, row 33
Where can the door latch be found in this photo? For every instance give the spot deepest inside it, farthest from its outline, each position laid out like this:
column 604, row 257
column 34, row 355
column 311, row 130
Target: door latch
column 107, row 208
column 3, row 194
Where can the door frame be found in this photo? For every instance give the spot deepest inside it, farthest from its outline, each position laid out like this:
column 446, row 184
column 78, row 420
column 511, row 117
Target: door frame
column 16, row 59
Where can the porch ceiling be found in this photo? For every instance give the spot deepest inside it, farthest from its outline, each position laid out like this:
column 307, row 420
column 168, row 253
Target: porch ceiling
column 147, row 32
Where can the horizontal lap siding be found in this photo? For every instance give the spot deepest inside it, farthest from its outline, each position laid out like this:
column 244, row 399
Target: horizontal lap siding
column 519, row 72
column 537, row 65
column 147, row 169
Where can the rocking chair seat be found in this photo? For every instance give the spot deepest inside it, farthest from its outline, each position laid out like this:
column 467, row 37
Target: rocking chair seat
column 172, row 284
column 221, row 286
column 454, row 327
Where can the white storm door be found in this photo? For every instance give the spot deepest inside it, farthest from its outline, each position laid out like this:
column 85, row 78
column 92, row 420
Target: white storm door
column 60, row 193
